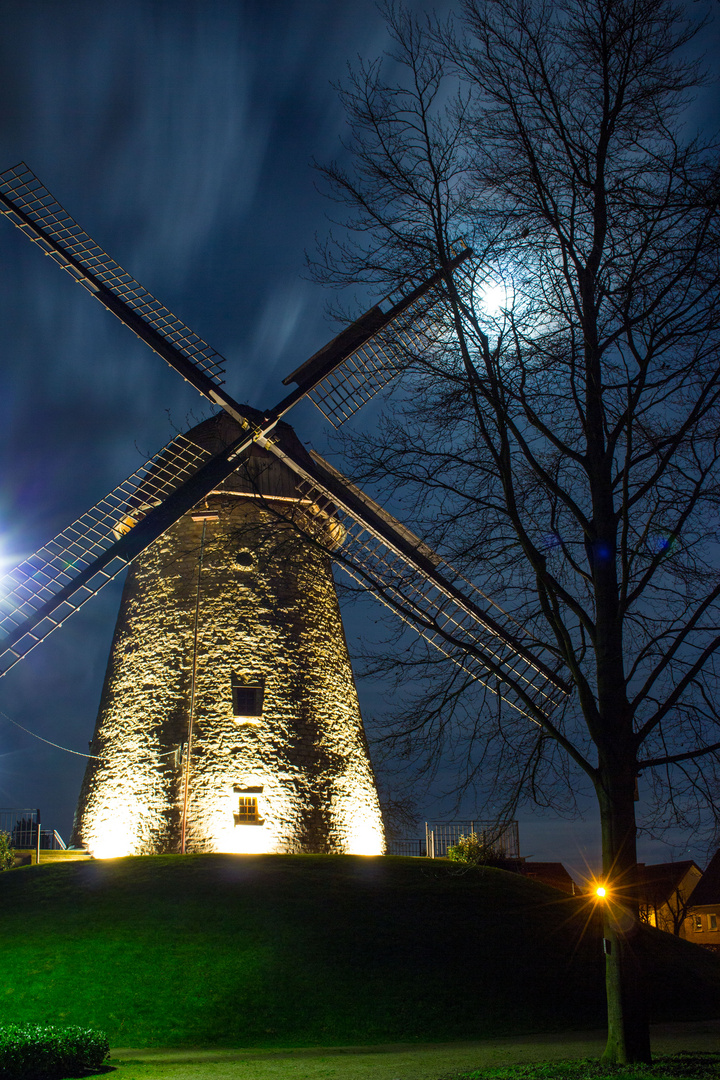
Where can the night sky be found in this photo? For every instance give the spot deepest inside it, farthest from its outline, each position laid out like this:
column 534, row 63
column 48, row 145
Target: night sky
column 180, row 137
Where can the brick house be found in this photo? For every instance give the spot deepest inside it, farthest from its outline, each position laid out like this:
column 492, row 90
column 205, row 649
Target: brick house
column 703, row 919
column 665, row 890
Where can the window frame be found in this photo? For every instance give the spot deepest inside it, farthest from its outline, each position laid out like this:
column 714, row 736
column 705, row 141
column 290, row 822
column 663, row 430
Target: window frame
column 247, row 795
column 240, row 707
column 248, row 815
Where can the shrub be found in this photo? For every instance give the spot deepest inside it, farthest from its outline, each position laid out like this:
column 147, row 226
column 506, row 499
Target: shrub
column 43, row 1052
column 471, row 849
column 7, row 854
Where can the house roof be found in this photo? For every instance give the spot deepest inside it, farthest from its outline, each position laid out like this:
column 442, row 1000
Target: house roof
column 659, row 881
column 550, row 873
column 707, row 890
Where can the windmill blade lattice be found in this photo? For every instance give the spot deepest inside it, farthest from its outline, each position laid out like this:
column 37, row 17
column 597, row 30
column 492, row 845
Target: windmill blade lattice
column 31, row 207
column 344, row 376
column 451, row 627
column 44, row 590
column 380, row 553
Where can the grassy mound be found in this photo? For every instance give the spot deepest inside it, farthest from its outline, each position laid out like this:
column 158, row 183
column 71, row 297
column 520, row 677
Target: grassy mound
column 313, row 950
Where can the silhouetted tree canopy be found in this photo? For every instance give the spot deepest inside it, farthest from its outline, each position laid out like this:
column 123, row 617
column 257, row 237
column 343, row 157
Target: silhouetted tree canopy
column 559, row 440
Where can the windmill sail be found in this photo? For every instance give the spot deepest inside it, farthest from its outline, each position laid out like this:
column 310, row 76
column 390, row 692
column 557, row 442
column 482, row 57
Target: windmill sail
column 371, row 546
column 47, row 588
column 351, row 369
column 31, row 207
column 379, row 552
column 339, row 379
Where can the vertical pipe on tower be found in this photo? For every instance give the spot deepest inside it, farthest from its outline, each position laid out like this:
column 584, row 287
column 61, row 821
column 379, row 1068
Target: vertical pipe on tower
column 186, row 788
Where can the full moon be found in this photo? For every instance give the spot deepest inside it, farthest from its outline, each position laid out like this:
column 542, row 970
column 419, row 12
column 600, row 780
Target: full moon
column 495, row 296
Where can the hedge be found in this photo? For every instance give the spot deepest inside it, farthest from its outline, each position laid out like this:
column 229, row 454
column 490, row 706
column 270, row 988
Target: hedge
column 44, row 1052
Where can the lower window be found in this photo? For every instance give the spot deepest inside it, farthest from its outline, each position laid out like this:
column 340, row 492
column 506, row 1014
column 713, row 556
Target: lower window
column 247, row 810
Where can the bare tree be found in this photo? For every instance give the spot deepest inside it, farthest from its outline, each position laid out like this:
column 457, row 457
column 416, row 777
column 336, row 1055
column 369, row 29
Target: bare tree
column 559, row 444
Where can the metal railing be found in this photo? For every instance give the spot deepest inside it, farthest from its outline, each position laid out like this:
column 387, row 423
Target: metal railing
column 23, row 828
column 502, row 837
column 51, row 840
column 413, row 848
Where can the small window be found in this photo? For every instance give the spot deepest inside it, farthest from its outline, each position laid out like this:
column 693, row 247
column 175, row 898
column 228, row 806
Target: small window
column 712, row 922
column 247, row 700
column 697, row 923
column 247, row 810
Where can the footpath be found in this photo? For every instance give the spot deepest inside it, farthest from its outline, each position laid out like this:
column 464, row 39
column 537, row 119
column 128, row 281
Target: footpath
column 393, row 1062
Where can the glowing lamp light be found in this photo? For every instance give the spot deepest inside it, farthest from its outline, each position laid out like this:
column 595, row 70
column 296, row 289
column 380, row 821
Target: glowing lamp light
column 112, row 848
column 366, row 840
column 114, row 833
column 601, row 891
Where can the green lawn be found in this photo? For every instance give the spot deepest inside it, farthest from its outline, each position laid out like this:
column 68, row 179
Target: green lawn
column 683, row 1066
column 432, row 1066
column 280, row 951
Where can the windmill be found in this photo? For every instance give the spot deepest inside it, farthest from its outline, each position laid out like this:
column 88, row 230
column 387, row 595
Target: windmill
column 179, row 763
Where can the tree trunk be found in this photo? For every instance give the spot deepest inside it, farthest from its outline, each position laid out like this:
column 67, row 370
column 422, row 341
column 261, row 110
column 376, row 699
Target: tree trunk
column 628, row 1017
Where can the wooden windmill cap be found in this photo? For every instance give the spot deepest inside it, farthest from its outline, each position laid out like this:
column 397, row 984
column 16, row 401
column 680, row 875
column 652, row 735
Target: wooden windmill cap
column 261, row 473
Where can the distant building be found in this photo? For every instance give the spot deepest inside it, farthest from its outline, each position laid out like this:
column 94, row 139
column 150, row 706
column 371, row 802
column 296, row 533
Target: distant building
column 702, row 924
column 549, row 873
column 679, row 898
column 665, row 890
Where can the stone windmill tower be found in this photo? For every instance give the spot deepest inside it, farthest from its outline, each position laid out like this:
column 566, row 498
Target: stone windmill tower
column 229, row 719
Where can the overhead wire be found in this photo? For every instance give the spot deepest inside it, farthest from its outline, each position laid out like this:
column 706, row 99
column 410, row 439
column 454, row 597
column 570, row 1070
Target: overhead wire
column 49, row 742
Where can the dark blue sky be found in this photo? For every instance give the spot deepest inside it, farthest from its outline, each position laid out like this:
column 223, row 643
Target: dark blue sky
column 180, row 137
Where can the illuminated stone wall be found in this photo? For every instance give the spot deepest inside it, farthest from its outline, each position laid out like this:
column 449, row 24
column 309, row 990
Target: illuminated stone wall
column 267, row 616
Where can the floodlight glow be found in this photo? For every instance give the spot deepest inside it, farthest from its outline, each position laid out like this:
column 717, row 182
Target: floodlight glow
column 8, row 561
column 601, row 891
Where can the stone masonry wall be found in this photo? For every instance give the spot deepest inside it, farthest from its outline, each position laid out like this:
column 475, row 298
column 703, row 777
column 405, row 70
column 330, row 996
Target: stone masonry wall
column 267, row 615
